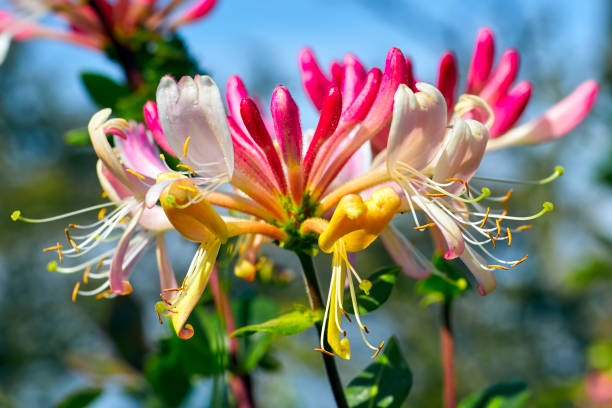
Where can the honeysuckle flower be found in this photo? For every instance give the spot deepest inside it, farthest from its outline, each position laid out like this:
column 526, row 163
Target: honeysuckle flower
column 130, row 228
column 494, row 86
column 494, row 102
column 278, row 178
column 89, row 23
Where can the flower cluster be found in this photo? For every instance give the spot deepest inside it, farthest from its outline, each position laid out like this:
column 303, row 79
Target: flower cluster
column 97, row 23
column 384, row 145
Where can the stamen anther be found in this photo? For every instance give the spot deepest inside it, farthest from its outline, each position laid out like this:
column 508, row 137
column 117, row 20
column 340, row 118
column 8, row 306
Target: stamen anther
column 422, row 227
column 101, row 213
column 521, row 260
column 140, row 176
column 492, row 239
column 324, row 352
column 86, row 274
column 486, row 217
column 498, row 267
column 379, row 348
column 185, row 146
column 75, row 291
column 509, row 236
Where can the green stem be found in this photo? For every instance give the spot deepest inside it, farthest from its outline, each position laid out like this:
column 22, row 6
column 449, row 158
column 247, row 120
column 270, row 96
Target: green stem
column 316, row 303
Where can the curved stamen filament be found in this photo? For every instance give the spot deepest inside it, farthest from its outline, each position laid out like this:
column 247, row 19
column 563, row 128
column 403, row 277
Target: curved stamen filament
column 558, row 172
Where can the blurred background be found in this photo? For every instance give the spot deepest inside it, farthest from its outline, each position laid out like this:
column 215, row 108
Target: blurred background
column 549, row 323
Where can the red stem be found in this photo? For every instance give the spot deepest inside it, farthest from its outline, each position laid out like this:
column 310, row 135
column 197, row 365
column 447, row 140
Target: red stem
column 448, row 364
column 241, row 385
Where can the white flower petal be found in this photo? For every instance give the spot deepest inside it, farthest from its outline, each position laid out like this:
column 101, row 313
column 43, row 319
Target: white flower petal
column 193, row 109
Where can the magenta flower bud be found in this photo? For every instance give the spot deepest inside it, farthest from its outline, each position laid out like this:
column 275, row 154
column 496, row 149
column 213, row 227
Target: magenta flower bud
column 482, row 61
column 447, row 78
column 330, row 116
column 257, row 129
column 503, row 77
column 235, row 92
column 509, row 110
column 354, row 77
column 286, row 118
column 314, row 80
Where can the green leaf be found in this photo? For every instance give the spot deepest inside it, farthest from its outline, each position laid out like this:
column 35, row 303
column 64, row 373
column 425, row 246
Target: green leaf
column 104, row 91
column 382, row 283
column 285, row 325
column 80, row 398
column 505, row 395
column 384, row 383
column 77, row 137
column 170, row 370
column 444, row 287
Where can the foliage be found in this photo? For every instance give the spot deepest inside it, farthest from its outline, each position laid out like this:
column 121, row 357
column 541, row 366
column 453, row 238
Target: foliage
column 385, row 383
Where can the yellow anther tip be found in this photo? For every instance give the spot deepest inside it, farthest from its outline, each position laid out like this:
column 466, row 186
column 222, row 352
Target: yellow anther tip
column 548, row 206
column 559, row 170
column 52, row 266
column 16, row 215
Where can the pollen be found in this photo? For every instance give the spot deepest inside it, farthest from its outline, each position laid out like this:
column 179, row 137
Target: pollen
column 100, row 263
column 379, row 348
column 86, row 274
column 57, row 248
column 104, row 194
column 492, row 239
column 185, row 146
column 523, row 227
column 497, row 223
column 435, row 195
column 523, row 259
column 104, row 294
column 101, row 213
column 506, row 197
column 509, row 236
column 422, row 227
column 486, row 217
column 161, row 156
column 75, row 291
column 186, row 167
column 499, row 267
column 71, row 241
column 140, row 176
column 324, row 351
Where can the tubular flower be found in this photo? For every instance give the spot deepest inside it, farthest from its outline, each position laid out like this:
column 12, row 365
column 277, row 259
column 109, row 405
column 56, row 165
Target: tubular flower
column 354, row 225
column 494, row 86
column 493, row 100
column 434, row 164
column 91, row 24
column 130, row 228
column 278, row 171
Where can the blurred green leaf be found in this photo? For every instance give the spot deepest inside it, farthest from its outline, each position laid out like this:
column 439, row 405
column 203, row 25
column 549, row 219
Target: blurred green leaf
column 596, row 270
column 505, row 395
column 170, row 370
column 444, row 287
column 285, row 325
column 104, row 91
column 80, row 398
column 600, row 355
column 77, row 137
column 384, row 383
column 382, row 284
